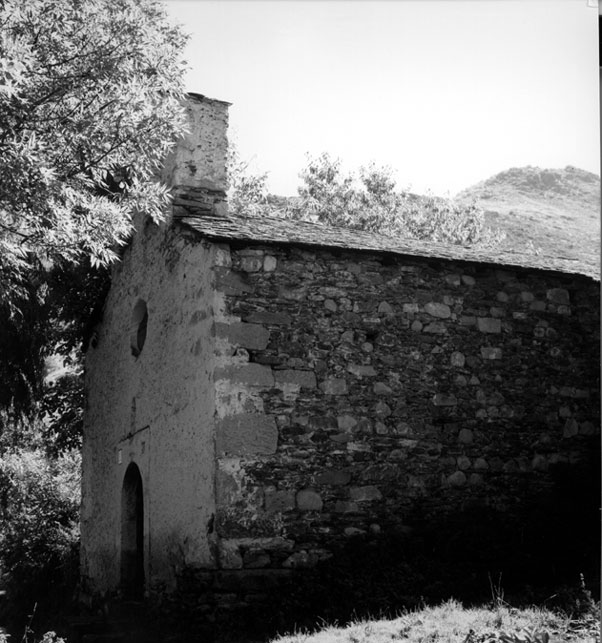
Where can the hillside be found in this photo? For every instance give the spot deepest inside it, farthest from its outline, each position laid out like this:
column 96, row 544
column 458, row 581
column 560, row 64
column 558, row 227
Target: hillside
column 556, row 210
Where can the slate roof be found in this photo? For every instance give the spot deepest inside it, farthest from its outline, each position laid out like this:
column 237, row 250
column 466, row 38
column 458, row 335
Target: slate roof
column 267, row 230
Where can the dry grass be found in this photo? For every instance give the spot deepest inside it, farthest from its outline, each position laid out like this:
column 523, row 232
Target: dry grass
column 452, row 623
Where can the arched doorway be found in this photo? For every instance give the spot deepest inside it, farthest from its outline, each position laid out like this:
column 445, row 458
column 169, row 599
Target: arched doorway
column 132, row 534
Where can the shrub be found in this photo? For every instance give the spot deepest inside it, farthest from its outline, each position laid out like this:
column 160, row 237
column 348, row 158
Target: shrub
column 39, row 527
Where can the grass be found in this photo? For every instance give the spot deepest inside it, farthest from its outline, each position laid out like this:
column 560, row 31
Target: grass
column 453, row 623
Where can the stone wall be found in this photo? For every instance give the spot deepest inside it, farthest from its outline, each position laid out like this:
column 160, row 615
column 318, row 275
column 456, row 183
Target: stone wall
column 154, row 409
column 360, row 395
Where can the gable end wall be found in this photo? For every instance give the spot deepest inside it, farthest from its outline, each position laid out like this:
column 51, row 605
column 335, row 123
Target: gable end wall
column 155, row 410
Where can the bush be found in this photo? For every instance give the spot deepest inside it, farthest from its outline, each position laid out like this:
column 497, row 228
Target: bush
column 39, row 528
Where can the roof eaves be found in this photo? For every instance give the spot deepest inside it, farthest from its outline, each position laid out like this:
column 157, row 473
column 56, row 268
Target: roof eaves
column 268, row 231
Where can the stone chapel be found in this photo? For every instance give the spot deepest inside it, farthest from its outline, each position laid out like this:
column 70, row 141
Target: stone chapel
column 261, row 391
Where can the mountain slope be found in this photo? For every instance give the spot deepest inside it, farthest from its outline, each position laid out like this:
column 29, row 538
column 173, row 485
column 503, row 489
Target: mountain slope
column 558, row 211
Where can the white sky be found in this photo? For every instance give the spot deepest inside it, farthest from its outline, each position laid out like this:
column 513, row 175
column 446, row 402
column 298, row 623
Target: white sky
column 447, row 92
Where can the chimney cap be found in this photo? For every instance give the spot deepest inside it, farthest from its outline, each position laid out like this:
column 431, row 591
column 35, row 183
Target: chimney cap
column 202, row 98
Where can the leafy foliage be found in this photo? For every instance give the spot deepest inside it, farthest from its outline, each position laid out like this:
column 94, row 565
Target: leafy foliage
column 371, row 202
column 75, row 296
column 63, row 410
column 57, row 319
column 368, row 200
column 247, row 192
column 22, row 342
column 90, row 102
column 39, row 525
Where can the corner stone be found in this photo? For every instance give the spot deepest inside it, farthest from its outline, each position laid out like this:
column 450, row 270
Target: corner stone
column 251, row 336
column 302, row 379
column 249, row 374
column 278, row 501
column 230, row 282
column 246, row 434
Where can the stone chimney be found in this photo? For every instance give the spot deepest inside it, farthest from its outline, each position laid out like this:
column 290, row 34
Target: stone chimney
column 196, row 168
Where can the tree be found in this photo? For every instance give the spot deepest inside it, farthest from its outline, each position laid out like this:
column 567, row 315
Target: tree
column 326, row 194
column 90, row 102
column 366, row 200
column 247, row 192
column 369, row 201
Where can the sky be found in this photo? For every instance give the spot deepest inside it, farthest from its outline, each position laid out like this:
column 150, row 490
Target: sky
column 445, row 92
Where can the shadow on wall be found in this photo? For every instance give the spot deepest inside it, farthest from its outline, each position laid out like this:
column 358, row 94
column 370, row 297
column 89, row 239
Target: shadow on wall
column 475, row 555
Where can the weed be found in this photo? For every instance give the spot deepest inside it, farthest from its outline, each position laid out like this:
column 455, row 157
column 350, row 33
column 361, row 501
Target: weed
column 527, row 636
column 497, row 592
column 576, row 602
column 28, row 631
